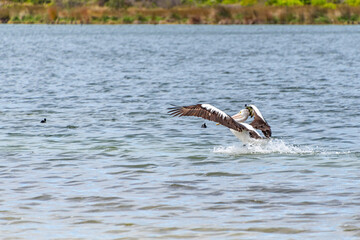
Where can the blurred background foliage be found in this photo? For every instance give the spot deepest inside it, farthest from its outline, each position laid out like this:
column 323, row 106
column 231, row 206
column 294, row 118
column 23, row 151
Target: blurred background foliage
column 118, row 4
column 181, row 11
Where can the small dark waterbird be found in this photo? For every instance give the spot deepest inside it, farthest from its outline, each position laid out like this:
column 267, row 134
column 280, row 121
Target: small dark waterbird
column 204, row 125
column 43, row 121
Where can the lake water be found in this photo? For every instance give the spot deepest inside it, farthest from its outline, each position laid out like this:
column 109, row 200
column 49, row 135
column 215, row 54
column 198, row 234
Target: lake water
column 110, row 163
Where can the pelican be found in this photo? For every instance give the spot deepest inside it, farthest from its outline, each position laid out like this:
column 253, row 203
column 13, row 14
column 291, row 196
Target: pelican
column 236, row 123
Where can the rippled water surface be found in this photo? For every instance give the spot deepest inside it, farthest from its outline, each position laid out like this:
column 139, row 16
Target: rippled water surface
column 109, row 163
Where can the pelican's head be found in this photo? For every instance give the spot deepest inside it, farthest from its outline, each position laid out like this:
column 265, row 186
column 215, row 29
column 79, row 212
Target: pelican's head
column 242, row 115
column 250, row 109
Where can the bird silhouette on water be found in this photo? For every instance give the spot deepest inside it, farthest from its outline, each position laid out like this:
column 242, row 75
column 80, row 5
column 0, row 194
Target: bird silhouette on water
column 43, row 121
column 203, row 126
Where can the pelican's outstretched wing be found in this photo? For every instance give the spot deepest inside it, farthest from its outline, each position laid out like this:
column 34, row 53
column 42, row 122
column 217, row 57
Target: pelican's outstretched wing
column 260, row 122
column 214, row 114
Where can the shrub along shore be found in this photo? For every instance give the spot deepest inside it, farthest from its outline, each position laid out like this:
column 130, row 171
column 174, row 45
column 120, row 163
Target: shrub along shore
column 29, row 13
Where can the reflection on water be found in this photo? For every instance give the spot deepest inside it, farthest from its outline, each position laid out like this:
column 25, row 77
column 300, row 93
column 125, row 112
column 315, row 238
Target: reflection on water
column 110, row 163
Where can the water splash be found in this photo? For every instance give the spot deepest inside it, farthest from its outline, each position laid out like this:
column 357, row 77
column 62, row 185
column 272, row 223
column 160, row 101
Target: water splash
column 271, row 146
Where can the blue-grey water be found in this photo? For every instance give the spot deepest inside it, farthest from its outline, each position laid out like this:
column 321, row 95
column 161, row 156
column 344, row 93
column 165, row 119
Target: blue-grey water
column 110, row 163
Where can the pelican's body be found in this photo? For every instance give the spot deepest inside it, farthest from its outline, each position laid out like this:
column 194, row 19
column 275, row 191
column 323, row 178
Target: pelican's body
column 241, row 117
column 245, row 132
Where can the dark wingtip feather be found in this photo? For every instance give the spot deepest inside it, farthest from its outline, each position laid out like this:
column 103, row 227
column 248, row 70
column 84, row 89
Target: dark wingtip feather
column 267, row 133
column 174, row 111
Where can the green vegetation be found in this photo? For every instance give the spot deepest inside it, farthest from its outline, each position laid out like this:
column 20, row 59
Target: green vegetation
column 287, row 3
column 180, row 11
column 353, row 2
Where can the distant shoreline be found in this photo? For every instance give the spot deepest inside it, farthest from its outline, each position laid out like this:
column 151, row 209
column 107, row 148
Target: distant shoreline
column 219, row 14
